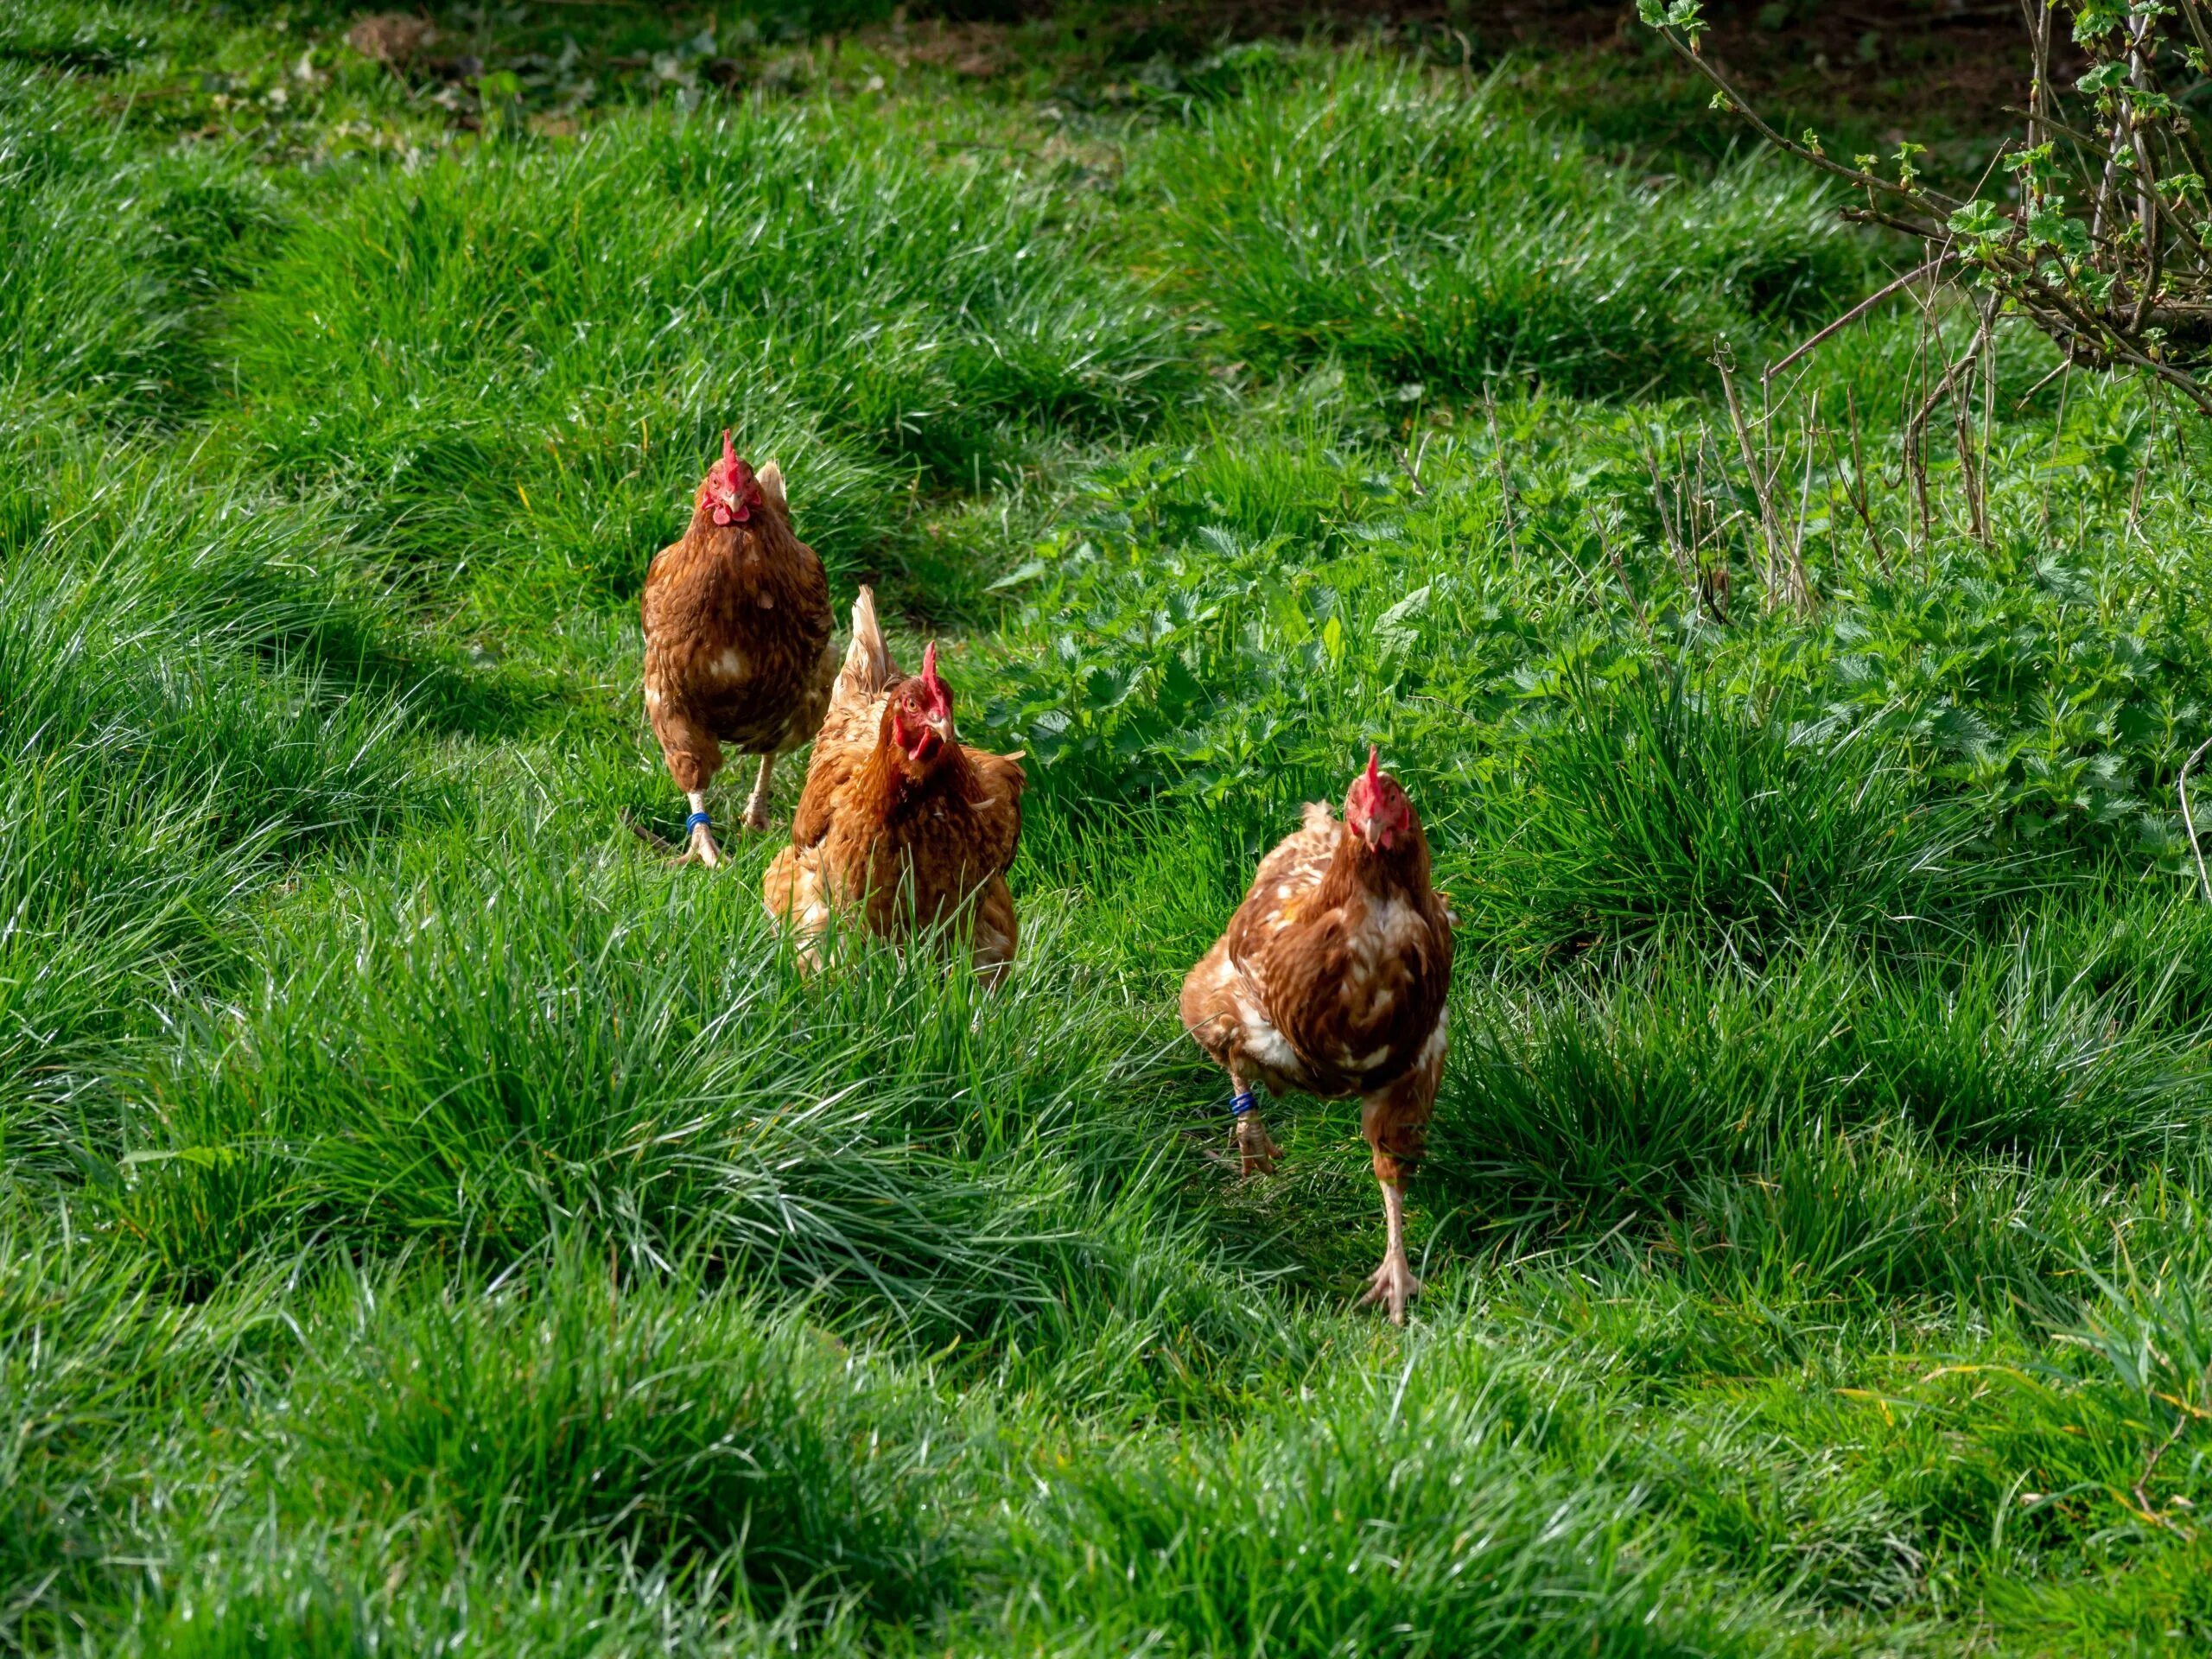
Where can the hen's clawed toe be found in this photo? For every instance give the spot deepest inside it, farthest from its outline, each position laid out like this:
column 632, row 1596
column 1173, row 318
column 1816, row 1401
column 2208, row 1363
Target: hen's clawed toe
column 702, row 850
column 1257, row 1151
column 1393, row 1285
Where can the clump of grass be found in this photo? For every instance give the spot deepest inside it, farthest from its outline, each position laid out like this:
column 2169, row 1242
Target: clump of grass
column 97, row 1368
column 561, row 1406
column 1412, row 1502
column 1650, row 809
column 521, row 362
column 1371, row 211
column 177, row 723
column 521, row 1045
column 104, row 303
column 1597, row 1100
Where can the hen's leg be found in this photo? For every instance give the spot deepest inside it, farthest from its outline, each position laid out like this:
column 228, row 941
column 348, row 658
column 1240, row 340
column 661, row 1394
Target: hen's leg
column 1396, row 1123
column 694, row 756
column 1393, row 1284
column 996, row 931
column 1256, row 1152
column 701, row 849
column 756, row 805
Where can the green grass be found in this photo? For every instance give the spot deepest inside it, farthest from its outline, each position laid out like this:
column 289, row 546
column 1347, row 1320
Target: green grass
column 431, row 1221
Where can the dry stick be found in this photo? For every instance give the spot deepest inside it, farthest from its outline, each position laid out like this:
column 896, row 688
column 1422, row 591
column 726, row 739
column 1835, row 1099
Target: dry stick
column 1620, row 570
column 1675, row 548
column 1962, row 433
column 2189, row 821
column 1973, row 474
column 1915, row 430
column 2038, row 21
column 1504, row 483
column 2182, row 1415
column 1912, row 461
column 1863, row 307
column 1857, row 493
column 1713, row 582
column 2028, row 396
column 1770, row 525
column 1928, row 200
column 2189, row 10
column 1412, row 462
column 1989, row 423
column 1801, row 579
column 2146, row 185
column 1773, row 470
column 656, row 842
column 1988, row 395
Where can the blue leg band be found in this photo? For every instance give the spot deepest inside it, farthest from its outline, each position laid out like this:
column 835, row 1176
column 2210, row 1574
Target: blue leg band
column 696, row 820
column 1240, row 1104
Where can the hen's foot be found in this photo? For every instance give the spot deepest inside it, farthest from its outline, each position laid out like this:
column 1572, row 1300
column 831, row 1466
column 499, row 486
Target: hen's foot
column 1256, row 1152
column 756, row 816
column 1393, row 1285
column 703, row 849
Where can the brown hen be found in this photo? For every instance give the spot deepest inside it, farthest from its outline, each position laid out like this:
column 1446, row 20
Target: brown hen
column 737, row 639
column 900, row 824
column 1332, row 979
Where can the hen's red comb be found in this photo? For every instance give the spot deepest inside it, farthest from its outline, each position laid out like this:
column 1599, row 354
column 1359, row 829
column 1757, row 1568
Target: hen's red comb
column 1374, row 754
column 729, row 455
column 930, row 683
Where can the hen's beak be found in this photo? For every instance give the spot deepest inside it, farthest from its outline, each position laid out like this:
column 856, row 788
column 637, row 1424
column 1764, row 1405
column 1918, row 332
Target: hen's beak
column 929, row 739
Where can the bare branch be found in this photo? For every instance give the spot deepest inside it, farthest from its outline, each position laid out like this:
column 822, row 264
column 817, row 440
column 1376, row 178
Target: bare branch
column 1862, row 309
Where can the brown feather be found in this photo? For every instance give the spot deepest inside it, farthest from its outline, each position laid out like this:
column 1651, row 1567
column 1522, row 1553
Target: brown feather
column 738, row 652
column 1331, row 977
column 894, row 843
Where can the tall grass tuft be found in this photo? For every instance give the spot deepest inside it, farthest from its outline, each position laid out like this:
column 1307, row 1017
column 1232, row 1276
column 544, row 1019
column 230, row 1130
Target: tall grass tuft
column 1654, row 808
column 562, row 1406
column 521, row 363
column 1371, row 212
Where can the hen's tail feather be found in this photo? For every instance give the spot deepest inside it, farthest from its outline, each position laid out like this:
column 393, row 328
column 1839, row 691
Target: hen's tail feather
column 868, row 664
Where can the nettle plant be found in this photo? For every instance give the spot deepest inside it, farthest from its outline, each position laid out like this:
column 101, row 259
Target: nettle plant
column 2100, row 238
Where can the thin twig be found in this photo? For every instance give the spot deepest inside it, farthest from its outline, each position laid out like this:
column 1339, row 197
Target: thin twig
column 1927, row 199
column 1620, row 570
column 2025, row 395
column 645, row 834
column 1504, row 481
column 1857, row 492
column 1801, row 579
column 1412, row 465
column 2188, row 820
column 1677, row 549
column 2182, row 1414
column 1863, row 307
column 1770, row 522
